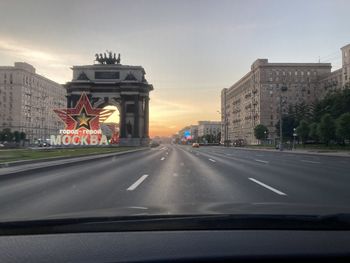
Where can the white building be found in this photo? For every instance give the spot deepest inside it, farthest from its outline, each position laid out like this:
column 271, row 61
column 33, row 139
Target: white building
column 27, row 101
column 209, row 128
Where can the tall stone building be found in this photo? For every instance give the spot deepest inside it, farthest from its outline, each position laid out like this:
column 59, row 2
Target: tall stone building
column 258, row 96
column 27, row 101
column 346, row 65
column 254, row 99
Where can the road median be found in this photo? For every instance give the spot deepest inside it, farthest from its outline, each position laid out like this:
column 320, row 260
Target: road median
column 29, row 166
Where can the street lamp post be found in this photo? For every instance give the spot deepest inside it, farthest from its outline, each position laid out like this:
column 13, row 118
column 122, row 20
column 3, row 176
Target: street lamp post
column 225, row 127
column 283, row 88
column 294, row 135
column 281, row 133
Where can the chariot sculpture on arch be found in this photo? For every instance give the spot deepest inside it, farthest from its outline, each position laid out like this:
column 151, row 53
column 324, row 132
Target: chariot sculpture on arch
column 107, row 58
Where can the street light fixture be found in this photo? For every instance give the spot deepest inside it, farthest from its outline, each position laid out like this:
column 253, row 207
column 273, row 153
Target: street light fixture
column 294, row 135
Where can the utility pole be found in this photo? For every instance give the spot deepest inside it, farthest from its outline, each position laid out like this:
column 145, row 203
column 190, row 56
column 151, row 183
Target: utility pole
column 281, row 133
column 283, row 88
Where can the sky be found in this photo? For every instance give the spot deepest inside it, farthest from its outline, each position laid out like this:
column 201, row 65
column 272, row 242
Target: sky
column 189, row 49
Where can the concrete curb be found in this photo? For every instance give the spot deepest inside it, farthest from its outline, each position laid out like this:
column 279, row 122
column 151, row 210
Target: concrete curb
column 48, row 164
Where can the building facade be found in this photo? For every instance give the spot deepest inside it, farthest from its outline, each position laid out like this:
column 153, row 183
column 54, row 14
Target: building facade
column 346, row 65
column 268, row 89
column 209, row 128
column 27, row 101
column 254, row 99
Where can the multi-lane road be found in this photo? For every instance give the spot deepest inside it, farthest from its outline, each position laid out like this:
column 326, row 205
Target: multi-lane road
column 171, row 176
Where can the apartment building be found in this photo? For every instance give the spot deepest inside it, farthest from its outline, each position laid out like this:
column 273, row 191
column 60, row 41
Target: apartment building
column 27, row 101
column 254, row 99
column 267, row 88
column 209, row 128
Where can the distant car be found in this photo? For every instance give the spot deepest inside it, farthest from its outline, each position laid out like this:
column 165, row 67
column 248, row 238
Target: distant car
column 44, row 144
column 154, row 144
column 239, row 143
column 195, row 145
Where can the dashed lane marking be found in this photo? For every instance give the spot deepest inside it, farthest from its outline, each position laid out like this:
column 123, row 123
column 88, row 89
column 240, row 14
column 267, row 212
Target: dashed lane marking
column 267, row 187
column 307, row 161
column 137, row 183
column 261, row 161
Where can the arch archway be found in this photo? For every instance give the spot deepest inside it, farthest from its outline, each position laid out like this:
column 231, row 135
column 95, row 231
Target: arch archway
column 122, row 86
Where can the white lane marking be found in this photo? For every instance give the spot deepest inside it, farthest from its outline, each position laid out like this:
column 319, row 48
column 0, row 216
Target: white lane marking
column 266, row 186
column 166, row 153
column 137, row 183
column 260, row 161
column 307, row 161
column 138, row 207
column 162, row 159
column 260, row 155
column 212, row 160
column 228, row 154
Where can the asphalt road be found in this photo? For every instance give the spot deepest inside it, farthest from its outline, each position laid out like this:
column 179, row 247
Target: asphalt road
column 173, row 175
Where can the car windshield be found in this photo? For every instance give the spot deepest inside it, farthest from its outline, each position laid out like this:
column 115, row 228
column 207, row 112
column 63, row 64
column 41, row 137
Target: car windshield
column 168, row 108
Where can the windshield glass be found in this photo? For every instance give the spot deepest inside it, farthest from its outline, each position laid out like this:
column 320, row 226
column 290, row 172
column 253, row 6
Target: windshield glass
column 127, row 108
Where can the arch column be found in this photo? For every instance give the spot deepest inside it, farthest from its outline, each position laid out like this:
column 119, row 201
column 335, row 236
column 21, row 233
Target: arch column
column 136, row 133
column 146, row 118
column 122, row 118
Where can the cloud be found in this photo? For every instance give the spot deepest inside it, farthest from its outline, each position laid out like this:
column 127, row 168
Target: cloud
column 18, row 50
column 54, row 65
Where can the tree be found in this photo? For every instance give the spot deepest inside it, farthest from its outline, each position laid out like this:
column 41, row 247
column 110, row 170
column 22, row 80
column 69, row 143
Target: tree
column 209, row 138
column 218, row 137
column 303, row 131
column 343, row 126
column 7, row 135
column 335, row 104
column 22, row 136
column 313, row 134
column 260, row 131
column 326, row 128
column 303, row 111
column 288, row 124
column 17, row 136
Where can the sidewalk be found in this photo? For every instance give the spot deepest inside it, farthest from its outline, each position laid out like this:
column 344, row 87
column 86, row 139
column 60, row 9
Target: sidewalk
column 42, row 164
column 299, row 151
